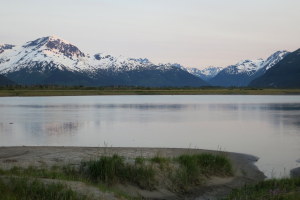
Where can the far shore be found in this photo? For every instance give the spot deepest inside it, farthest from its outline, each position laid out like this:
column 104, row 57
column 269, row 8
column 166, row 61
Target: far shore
column 90, row 91
column 245, row 172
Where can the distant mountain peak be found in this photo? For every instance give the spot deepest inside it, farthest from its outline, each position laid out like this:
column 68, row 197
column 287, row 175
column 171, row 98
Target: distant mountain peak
column 4, row 47
column 206, row 73
column 285, row 72
column 56, row 45
column 243, row 62
column 242, row 73
column 274, row 59
column 245, row 66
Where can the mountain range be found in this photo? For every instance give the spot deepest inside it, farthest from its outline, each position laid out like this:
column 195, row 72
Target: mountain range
column 242, row 73
column 51, row 60
column 54, row 61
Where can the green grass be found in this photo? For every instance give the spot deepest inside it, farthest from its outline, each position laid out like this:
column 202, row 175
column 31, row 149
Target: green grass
column 140, row 160
column 176, row 174
column 162, row 162
column 275, row 189
column 25, row 189
column 159, row 160
column 63, row 173
column 194, row 169
column 110, row 170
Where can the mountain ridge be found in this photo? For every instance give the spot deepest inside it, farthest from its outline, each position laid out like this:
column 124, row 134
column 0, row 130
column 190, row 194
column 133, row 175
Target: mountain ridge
column 243, row 72
column 46, row 59
column 52, row 60
column 285, row 74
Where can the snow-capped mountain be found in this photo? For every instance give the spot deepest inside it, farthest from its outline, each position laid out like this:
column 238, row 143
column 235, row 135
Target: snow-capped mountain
column 248, row 67
column 242, row 73
column 270, row 62
column 41, row 54
column 51, row 60
column 284, row 74
column 206, row 73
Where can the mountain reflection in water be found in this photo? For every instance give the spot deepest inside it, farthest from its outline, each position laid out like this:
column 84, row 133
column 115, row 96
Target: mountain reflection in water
column 265, row 126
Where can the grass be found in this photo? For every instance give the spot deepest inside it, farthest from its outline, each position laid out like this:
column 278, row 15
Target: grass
column 81, row 91
column 194, row 169
column 164, row 163
column 146, row 173
column 183, row 172
column 275, row 189
column 139, row 160
column 62, row 173
column 110, row 170
column 25, row 189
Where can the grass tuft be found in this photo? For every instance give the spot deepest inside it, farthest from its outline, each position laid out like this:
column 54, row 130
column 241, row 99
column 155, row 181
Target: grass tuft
column 140, row 160
column 194, row 169
column 275, row 189
column 110, row 170
column 23, row 188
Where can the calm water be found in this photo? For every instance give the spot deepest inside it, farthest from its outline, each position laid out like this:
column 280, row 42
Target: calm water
column 265, row 126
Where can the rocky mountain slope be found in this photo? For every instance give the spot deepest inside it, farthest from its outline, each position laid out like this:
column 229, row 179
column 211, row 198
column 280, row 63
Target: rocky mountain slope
column 285, row 74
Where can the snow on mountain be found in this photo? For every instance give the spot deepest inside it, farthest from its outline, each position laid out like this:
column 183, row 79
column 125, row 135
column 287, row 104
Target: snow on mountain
column 51, row 60
column 169, row 66
column 206, row 73
column 62, row 55
column 48, row 55
column 274, row 59
column 285, row 74
column 242, row 73
column 4, row 47
column 119, row 63
column 248, row 67
column 44, row 52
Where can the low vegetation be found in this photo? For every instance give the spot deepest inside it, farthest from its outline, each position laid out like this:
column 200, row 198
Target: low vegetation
column 194, row 170
column 275, row 189
column 180, row 175
column 110, row 170
column 27, row 189
column 176, row 174
column 48, row 90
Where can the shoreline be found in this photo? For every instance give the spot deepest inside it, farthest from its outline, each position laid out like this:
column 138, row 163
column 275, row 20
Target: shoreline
column 152, row 91
column 245, row 172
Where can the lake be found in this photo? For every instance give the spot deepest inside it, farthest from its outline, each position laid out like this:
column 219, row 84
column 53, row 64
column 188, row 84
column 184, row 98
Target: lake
column 265, row 126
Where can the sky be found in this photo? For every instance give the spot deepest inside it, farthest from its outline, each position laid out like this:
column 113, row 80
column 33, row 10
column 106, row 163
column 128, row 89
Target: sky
column 194, row 33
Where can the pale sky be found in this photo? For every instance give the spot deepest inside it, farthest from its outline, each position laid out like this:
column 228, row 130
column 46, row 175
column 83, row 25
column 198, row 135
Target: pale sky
column 194, row 33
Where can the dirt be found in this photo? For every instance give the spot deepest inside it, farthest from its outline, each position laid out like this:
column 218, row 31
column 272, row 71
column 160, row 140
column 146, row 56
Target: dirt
column 215, row 188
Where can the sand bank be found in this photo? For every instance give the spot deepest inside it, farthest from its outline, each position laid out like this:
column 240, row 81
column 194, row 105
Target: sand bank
column 244, row 169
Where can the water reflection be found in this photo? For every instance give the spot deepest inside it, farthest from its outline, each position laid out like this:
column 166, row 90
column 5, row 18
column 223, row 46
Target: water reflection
column 56, row 128
column 266, row 126
column 107, row 106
